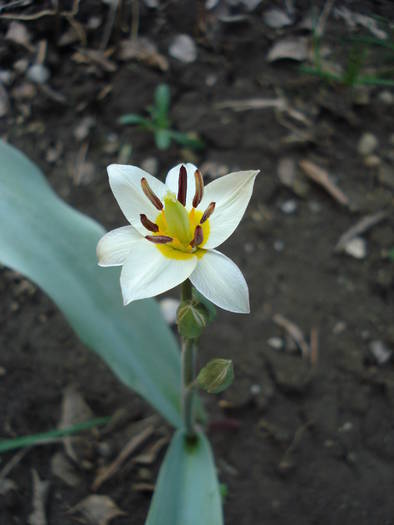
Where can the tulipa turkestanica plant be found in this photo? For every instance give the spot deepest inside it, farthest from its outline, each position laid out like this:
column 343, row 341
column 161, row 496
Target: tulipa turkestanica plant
column 173, row 232
column 174, row 229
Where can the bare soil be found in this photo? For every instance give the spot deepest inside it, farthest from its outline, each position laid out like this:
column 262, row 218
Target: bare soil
column 297, row 439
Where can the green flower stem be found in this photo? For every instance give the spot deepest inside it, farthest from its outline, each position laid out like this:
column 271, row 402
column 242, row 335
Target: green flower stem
column 189, row 352
column 188, row 375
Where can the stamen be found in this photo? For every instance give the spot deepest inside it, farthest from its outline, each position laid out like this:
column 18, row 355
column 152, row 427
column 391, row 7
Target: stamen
column 199, row 188
column 158, row 239
column 149, row 225
column 198, row 237
column 208, row 212
column 182, row 185
column 151, row 195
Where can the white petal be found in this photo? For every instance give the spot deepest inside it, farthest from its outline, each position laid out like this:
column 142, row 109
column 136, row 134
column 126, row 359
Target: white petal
column 221, row 281
column 231, row 194
column 113, row 248
column 125, row 182
column 172, row 181
column 147, row 272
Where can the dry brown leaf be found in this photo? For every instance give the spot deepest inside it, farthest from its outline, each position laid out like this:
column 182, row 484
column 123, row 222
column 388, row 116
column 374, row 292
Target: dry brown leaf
column 94, row 56
column 276, row 18
column 6, row 485
column 40, row 493
column 64, row 470
column 293, row 48
column 98, row 510
column 18, row 34
column 143, row 50
column 321, row 177
column 143, row 487
column 74, row 410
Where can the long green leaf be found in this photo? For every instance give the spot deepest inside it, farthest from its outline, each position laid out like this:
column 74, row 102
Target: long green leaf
column 54, row 246
column 187, row 490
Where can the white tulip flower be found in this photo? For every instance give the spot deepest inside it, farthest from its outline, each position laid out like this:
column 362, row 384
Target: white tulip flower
column 175, row 228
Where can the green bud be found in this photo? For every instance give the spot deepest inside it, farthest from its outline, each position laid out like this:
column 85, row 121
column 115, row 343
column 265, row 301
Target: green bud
column 216, row 376
column 192, row 318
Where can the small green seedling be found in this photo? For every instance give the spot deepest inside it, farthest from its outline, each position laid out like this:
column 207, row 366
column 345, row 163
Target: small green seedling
column 159, row 122
column 353, row 74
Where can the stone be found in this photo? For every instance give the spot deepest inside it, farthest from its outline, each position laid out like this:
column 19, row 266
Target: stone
column 367, row 144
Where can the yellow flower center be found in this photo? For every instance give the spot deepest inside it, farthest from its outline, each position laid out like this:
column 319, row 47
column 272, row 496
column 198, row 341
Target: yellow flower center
column 177, row 233
column 174, row 221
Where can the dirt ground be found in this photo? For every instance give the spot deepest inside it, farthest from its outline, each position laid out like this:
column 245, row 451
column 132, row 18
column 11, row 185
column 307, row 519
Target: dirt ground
column 306, row 433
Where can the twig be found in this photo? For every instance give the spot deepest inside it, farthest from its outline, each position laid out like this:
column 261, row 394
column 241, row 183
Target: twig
column 13, row 462
column 43, row 13
column 252, row 103
column 360, row 227
column 107, row 472
column 324, row 17
column 113, row 7
column 321, row 177
column 295, row 332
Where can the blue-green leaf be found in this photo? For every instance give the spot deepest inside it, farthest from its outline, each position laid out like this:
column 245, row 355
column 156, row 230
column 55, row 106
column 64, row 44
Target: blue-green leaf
column 55, row 246
column 187, row 491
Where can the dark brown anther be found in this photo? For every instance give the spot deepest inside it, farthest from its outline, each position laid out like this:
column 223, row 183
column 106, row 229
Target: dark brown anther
column 208, row 212
column 199, row 188
column 149, row 225
column 198, row 237
column 151, row 196
column 158, row 239
column 182, row 185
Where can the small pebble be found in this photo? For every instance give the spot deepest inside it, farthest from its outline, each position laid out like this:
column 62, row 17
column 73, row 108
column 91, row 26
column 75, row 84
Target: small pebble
column 380, row 352
column 211, row 79
column 289, row 207
column 275, row 342
column 279, row 245
column 346, row 427
column 255, row 390
column 357, row 248
column 372, row 161
column 183, row 49
column 386, row 97
column 367, row 144
column 339, row 327
column 38, row 74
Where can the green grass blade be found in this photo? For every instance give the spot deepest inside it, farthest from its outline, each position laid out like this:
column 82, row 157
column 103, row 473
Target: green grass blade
column 47, row 437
